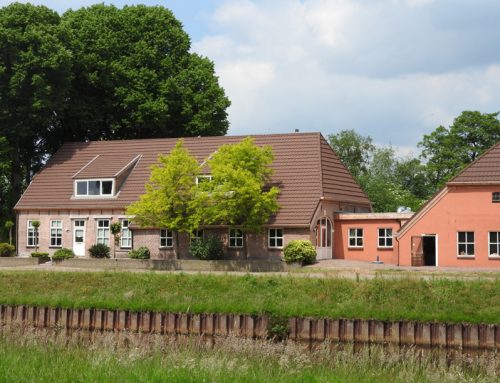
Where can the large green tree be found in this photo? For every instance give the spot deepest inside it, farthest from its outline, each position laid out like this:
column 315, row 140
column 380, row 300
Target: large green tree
column 448, row 149
column 35, row 70
column 354, row 150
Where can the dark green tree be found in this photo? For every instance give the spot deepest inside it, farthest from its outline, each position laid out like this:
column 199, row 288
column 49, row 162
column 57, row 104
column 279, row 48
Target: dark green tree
column 448, row 150
column 354, row 150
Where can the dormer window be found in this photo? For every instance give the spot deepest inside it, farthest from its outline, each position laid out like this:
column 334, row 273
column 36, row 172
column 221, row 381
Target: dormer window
column 203, row 178
column 495, row 197
column 94, row 188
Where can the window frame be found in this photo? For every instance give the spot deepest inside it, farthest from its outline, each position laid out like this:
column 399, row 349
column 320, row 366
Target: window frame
column 125, row 229
column 35, row 234
column 195, row 234
column 275, row 238
column 204, row 176
column 497, row 244
column 98, row 229
column 495, row 197
column 167, row 238
column 235, row 245
column 466, row 244
column 356, row 237
column 385, row 238
column 100, row 195
column 58, row 235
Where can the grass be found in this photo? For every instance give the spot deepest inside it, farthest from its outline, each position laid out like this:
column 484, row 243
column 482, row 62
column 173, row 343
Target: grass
column 45, row 357
column 384, row 299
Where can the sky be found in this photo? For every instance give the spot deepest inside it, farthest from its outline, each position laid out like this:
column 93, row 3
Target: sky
column 391, row 69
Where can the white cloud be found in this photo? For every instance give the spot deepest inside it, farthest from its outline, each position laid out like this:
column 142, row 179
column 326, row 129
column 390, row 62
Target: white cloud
column 392, row 70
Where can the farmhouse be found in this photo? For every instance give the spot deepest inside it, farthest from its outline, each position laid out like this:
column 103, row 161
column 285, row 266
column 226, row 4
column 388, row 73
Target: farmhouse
column 86, row 186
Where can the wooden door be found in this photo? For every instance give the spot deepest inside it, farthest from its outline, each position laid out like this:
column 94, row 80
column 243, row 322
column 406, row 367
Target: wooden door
column 417, row 251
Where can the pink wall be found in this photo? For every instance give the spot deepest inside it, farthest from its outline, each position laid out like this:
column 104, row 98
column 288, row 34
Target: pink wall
column 463, row 208
column 370, row 249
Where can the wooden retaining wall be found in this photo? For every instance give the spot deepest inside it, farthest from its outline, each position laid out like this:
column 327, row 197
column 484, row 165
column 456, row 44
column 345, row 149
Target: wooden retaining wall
column 479, row 336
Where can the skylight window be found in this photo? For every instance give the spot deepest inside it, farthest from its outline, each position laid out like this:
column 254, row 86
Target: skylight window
column 94, row 188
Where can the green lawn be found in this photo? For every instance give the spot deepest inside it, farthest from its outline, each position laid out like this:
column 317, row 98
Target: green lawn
column 384, row 299
column 39, row 358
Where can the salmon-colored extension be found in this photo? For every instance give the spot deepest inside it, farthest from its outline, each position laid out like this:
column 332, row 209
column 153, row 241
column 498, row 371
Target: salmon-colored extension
column 86, row 186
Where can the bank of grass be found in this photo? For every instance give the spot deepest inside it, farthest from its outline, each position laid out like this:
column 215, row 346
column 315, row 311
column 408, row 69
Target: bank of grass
column 453, row 301
column 43, row 357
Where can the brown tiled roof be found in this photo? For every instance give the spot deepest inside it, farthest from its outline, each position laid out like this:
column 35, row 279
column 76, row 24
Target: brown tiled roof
column 299, row 160
column 105, row 166
column 485, row 169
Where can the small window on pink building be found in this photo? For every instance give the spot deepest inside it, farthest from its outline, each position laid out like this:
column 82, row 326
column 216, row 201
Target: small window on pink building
column 356, row 237
column 495, row 197
column 385, row 237
column 494, row 244
column 465, row 242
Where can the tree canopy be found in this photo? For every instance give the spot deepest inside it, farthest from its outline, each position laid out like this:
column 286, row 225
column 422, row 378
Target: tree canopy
column 236, row 193
column 98, row 73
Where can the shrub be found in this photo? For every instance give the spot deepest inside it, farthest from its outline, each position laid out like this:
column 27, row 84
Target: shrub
column 141, row 253
column 99, row 250
column 278, row 328
column 209, row 248
column 63, row 254
column 300, row 251
column 40, row 254
column 7, row 250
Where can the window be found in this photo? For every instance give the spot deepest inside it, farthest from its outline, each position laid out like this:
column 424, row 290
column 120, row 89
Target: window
column 103, row 231
column 203, row 178
column 94, row 188
column 32, row 235
column 166, row 239
column 465, row 242
column 235, row 238
column 355, row 237
column 197, row 235
column 276, row 238
column 55, row 233
column 494, row 244
column 126, row 235
column 385, row 237
column 495, row 197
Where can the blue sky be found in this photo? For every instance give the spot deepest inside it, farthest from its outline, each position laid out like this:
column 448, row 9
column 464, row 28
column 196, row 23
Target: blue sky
column 391, row 69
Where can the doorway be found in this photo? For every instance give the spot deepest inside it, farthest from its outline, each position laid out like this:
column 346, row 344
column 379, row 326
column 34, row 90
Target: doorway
column 429, row 250
column 324, row 231
column 79, row 237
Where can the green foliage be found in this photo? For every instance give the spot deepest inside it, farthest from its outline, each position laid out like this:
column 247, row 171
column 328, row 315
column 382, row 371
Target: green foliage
column 36, row 224
column 278, row 328
column 40, row 254
column 99, row 250
column 63, row 253
column 238, row 194
column 207, row 248
column 9, row 224
column 140, row 253
column 115, row 228
column 449, row 150
column 7, row 250
column 170, row 198
column 354, row 150
column 301, row 251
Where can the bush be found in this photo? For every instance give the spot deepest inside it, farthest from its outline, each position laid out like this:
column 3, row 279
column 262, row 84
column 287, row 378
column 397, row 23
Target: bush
column 209, row 248
column 63, row 254
column 278, row 328
column 300, row 251
column 7, row 250
column 99, row 250
column 141, row 253
column 40, row 254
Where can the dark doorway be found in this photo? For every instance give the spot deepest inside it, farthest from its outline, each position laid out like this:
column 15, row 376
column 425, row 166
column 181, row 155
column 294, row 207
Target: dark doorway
column 429, row 247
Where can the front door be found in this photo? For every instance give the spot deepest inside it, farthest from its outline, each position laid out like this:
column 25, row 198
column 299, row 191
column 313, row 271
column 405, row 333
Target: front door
column 417, row 251
column 79, row 237
column 324, row 238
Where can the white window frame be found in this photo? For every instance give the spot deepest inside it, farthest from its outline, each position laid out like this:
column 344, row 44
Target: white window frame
column 125, row 234
column 196, row 234
column 100, row 195
column 206, row 176
column 356, row 237
column 56, row 232
column 495, row 197
column 273, row 238
column 102, row 239
column 236, row 241
column 497, row 244
column 32, row 234
column 167, row 236
column 466, row 244
column 385, row 238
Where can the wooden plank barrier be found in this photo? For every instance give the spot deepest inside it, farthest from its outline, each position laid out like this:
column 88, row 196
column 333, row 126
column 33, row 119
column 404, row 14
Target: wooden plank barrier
column 400, row 333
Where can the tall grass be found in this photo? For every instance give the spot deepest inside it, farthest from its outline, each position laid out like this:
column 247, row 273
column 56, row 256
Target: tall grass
column 383, row 299
column 44, row 356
